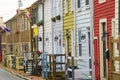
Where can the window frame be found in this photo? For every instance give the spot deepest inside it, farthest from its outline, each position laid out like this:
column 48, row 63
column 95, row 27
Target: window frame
column 72, row 5
column 87, row 2
column 78, row 4
column 102, row 1
column 79, row 42
column 66, row 6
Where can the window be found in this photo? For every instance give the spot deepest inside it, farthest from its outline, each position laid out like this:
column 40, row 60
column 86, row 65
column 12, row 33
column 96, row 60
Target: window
column 102, row 1
column 79, row 43
column 79, row 3
column 66, row 6
column 87, row 2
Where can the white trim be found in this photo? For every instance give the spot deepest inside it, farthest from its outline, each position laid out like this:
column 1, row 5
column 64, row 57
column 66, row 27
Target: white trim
column 72, row 41
column 102, row 1
column 113, row 27
column 101, row 50
column 75, row 29
column 66, row 6
column 78, row 9
column 72, row 5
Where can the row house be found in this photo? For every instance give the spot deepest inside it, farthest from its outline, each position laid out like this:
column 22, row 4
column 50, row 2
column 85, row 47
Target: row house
column 68, row 25
column 104, row 21
column 84, row 37
column 71, row 27
column 57, row 27
column 18, row 40
column 48, row 44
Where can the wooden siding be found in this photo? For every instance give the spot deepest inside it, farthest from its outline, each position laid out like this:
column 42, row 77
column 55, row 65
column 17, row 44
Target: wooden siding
column 25, row 36
column 40, row 30
column 57, row 27
column 68, row 23
column 103, row 10
column 48, row 25
column 83, row 22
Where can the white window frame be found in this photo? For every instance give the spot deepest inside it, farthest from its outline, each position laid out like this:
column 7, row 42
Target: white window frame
column 79, row 42
column 77, row 4
column 79, row 8
column 86, row 2
column 103, row 20
column 102, row 1
column 72, row 5
column 66, row 6
column 88, row 5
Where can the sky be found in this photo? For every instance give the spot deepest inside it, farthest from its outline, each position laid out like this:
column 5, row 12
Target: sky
column 8, row 7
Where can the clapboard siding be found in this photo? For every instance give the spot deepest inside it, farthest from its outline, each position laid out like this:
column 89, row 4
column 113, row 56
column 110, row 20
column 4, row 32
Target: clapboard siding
column 48, row 25
column 103, row 10
column 68, row 23
column 57, row 26
column 83, row 21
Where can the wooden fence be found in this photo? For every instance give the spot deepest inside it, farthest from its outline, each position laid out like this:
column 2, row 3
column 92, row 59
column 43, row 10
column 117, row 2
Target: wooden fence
column 114, row 58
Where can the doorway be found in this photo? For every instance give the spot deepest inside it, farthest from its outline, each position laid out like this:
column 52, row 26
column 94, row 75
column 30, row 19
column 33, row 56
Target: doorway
column 103, row 47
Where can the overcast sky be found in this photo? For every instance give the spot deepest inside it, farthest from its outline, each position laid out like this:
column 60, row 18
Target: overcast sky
column 8, row 7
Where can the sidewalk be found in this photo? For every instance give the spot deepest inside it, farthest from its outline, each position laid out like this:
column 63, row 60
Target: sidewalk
column 21, row 73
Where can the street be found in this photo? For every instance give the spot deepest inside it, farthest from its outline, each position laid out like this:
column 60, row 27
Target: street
column 5, row 75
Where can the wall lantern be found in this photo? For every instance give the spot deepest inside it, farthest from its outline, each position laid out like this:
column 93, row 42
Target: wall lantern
column 56, row 38
column 83, row 37
column 40, row 38
column 104, row 35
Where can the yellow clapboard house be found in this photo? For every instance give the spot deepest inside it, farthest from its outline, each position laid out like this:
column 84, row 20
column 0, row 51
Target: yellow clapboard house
column 68, row 22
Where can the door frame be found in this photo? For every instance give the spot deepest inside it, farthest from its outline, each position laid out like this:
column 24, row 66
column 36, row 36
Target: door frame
column 101, row 48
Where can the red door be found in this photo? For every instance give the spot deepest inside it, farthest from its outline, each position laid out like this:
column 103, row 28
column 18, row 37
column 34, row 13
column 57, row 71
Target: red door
column 97, row 62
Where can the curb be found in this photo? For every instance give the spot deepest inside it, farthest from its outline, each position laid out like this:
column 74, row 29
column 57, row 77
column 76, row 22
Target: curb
column 20, row 76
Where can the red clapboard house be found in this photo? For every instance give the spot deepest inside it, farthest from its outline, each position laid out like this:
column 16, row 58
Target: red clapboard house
column 104, row 14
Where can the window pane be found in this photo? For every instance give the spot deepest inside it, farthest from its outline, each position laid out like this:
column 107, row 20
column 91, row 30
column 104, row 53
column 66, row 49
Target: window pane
column 90, row 64
column 87, row 2
column 79, row 36
column 80, row 49
column 79, row 4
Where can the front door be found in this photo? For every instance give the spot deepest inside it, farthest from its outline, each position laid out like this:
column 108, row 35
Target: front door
column 84, row 52
column 103, row 47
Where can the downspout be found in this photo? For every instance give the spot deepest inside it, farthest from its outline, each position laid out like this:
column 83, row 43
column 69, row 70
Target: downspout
column 92, row 37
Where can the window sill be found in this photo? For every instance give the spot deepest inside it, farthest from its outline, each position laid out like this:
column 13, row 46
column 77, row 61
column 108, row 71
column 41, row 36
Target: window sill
column 79, row 10
column 87, row 7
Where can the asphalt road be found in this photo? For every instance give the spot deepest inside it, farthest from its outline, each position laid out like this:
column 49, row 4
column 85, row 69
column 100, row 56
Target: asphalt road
column 5, row 75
